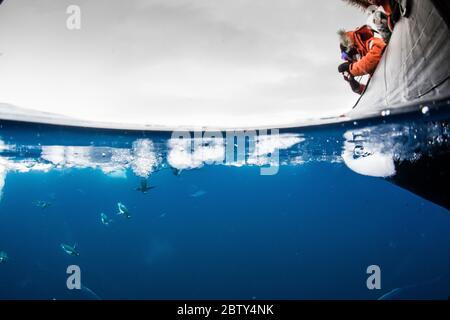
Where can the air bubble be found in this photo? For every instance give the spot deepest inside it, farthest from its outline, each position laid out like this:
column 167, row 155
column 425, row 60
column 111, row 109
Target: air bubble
column 425, row 110
column 385, row 113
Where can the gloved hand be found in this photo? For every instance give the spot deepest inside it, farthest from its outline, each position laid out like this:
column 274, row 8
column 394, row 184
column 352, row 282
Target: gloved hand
column 344, row 67
column 355, row 85
column 347, row 76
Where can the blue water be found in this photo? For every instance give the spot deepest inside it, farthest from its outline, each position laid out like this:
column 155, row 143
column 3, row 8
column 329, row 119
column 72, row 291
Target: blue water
column 215, row 231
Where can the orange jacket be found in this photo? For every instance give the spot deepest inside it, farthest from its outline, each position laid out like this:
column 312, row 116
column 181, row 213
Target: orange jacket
column 369, row 48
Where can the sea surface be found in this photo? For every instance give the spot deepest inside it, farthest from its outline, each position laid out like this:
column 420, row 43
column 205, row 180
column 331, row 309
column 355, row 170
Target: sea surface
column 294, row 214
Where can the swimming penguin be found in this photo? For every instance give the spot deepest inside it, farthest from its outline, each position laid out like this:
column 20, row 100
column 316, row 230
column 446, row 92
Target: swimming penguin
column 72, row 251
column 105, row 220
column 43, row 204
column 3, row 257
column 123, row 211
column 144, row 187
column 176, row 172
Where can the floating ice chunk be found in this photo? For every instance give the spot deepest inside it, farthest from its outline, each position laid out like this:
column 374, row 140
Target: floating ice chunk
column 268, row 146
column 112, row 161
column 54, row 154
column 190, row 153
column 367, row 157
column 374, row 165
column 194, row 153
column 269, row 143
column 117, row 174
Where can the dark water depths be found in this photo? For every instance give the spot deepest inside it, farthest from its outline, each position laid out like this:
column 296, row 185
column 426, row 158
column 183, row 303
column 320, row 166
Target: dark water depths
column 299, row 215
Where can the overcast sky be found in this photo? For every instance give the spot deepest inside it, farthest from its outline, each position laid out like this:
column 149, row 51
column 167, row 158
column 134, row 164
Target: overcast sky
column 177, row 62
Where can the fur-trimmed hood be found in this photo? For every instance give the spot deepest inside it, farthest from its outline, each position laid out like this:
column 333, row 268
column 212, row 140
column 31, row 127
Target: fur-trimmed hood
column 387, row 5
column 356, row 38
column 345, row 38
column 362, row 4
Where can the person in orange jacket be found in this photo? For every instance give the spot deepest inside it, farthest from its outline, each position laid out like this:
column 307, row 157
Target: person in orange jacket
column 362, row 52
